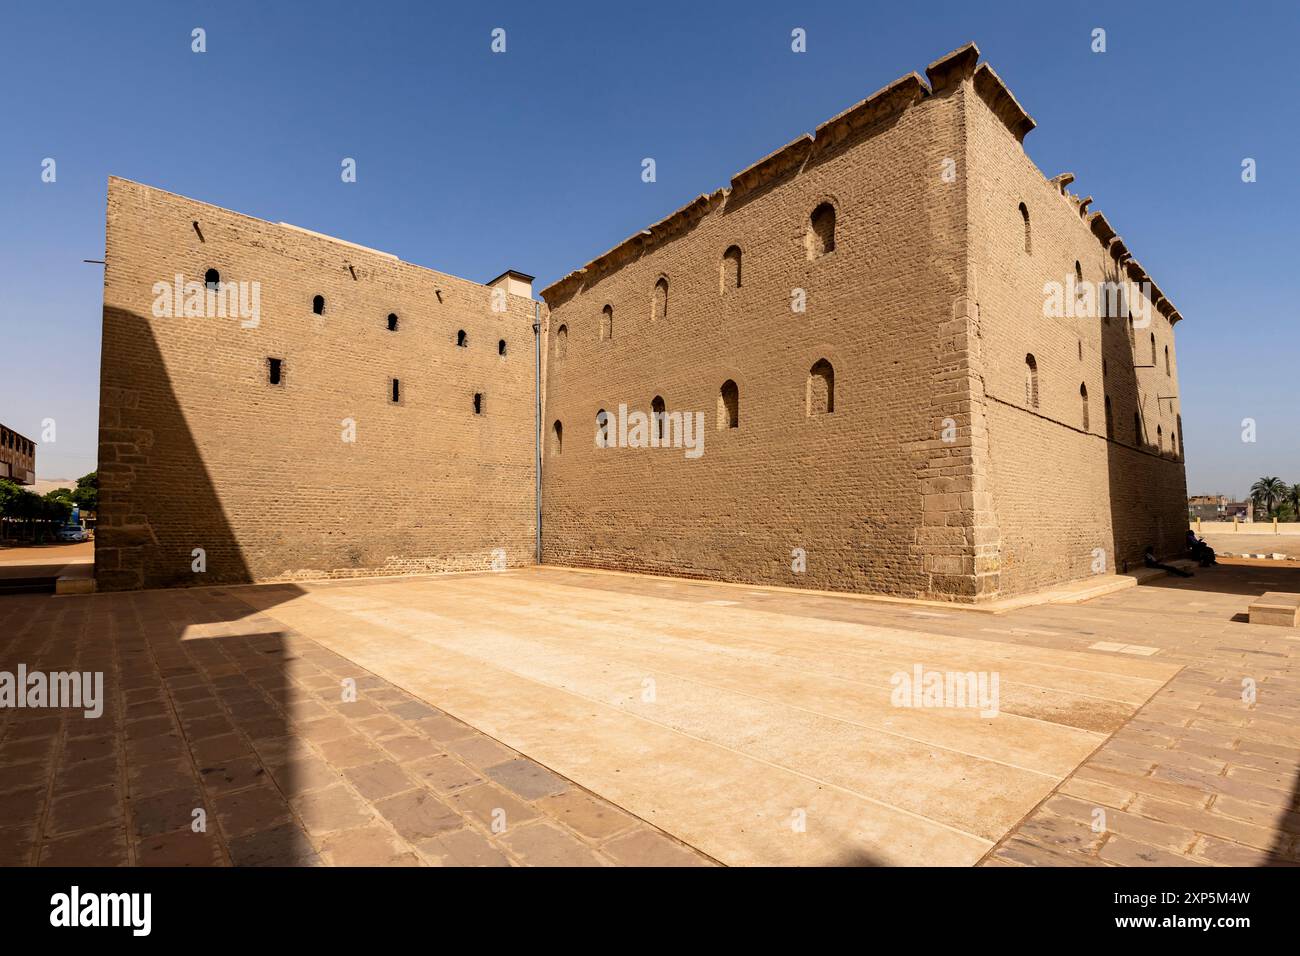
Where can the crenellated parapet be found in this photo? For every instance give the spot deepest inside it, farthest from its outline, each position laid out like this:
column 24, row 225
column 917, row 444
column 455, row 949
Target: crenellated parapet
column 948, row 73
column 874, row 112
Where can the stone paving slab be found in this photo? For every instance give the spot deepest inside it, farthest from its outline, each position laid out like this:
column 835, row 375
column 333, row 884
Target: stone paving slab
column 766, row 702
column 218, row 715
column 746, row 727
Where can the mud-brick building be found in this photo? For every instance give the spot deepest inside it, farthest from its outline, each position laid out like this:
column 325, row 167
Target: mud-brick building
column 276, row 404
column 923, row 368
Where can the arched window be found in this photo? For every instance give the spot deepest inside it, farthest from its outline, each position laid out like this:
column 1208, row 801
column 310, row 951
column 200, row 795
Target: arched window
column 1168, row 370
column 501, row 347
column 820, row 397
column 478, row 403
column 1031, row 382
column 1024, row 214
column 1153, row 350
column 392, row 322
column 557, row 438
column 318, row 304
column 607, row 323
column 462, row 340
column 657, row 418
column 728, row 406
column 561, row 341
column 1173, row 441
column 731, row 277
column 820, row 237
column 212, row 279
column 1078, row 281
column 1182, row 439
column 602, row 429
column 1110, row 420
column 1083, row 400
column 1160, row 438
column 659, row 302
column 1137, row 428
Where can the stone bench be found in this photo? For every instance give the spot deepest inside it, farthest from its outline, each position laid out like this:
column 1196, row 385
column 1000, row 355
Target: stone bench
column 1276, row 607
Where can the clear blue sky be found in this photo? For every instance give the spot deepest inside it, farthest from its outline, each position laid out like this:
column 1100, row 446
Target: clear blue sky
column 472, row 163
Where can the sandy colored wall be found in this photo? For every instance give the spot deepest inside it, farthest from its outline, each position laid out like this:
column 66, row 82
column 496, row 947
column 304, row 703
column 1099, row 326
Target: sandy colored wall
column 1062, row 490
column 197, row 450
column 868, row 492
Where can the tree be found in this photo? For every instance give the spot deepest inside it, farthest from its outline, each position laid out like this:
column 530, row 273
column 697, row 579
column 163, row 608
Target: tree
column 87, row 493
column 1267, row 491
column 37, row 516
column 1293, row 496
column 59, row 494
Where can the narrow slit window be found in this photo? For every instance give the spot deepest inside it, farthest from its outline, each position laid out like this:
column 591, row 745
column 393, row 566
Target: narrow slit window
column 392, row 322
column 731, row 277
column 462, row 340
column 659, row 303
column 397, row 391
column 728, row 405
column 274, row 370
column 478, row 403
column 501, row 347
column 602, row 429
column 820, row 399
column 820, row 236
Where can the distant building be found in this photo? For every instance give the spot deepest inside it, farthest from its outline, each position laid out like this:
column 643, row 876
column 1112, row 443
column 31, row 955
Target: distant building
column 1216, row 508
column 17, row 457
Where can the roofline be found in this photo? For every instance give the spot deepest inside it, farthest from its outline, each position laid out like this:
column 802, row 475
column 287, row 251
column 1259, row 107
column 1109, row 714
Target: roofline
column 511, row 272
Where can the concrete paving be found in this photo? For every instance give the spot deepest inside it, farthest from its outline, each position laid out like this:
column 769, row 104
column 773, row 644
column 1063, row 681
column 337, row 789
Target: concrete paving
column 226, row 740
column 551, row 716
column 753, row 725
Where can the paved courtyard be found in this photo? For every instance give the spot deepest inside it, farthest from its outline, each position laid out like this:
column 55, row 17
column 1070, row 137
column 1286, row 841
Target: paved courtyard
column 554, row 716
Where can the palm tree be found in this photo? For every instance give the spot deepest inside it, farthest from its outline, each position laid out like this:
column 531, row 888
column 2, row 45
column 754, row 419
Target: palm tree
column 1267, row 491
column 1294, row 497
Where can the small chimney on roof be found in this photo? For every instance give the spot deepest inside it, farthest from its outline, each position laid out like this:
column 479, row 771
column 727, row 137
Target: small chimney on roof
column 515, row 283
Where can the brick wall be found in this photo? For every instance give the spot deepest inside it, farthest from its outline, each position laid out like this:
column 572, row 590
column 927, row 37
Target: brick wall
column 1061, row 491
column 935, row 474
column 870, row 492
column 198, row 450
column 927, row 310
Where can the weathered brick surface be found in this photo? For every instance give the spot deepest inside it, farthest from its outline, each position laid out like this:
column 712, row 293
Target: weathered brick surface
column 198, row 450
column 935, row 475
column 1061, row 491
column 927, row 308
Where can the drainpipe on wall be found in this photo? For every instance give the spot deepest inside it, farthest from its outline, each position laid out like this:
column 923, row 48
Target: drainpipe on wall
column 537, row 430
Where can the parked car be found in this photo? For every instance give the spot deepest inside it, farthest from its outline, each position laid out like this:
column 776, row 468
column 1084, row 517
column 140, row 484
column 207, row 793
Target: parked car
column 72, row 534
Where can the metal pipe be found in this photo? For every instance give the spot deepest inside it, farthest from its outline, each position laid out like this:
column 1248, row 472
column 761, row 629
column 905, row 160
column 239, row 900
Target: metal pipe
column 537, row 430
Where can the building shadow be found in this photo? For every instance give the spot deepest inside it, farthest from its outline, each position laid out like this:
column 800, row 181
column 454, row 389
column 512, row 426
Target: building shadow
column 195, row 758
column 1145, row 476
